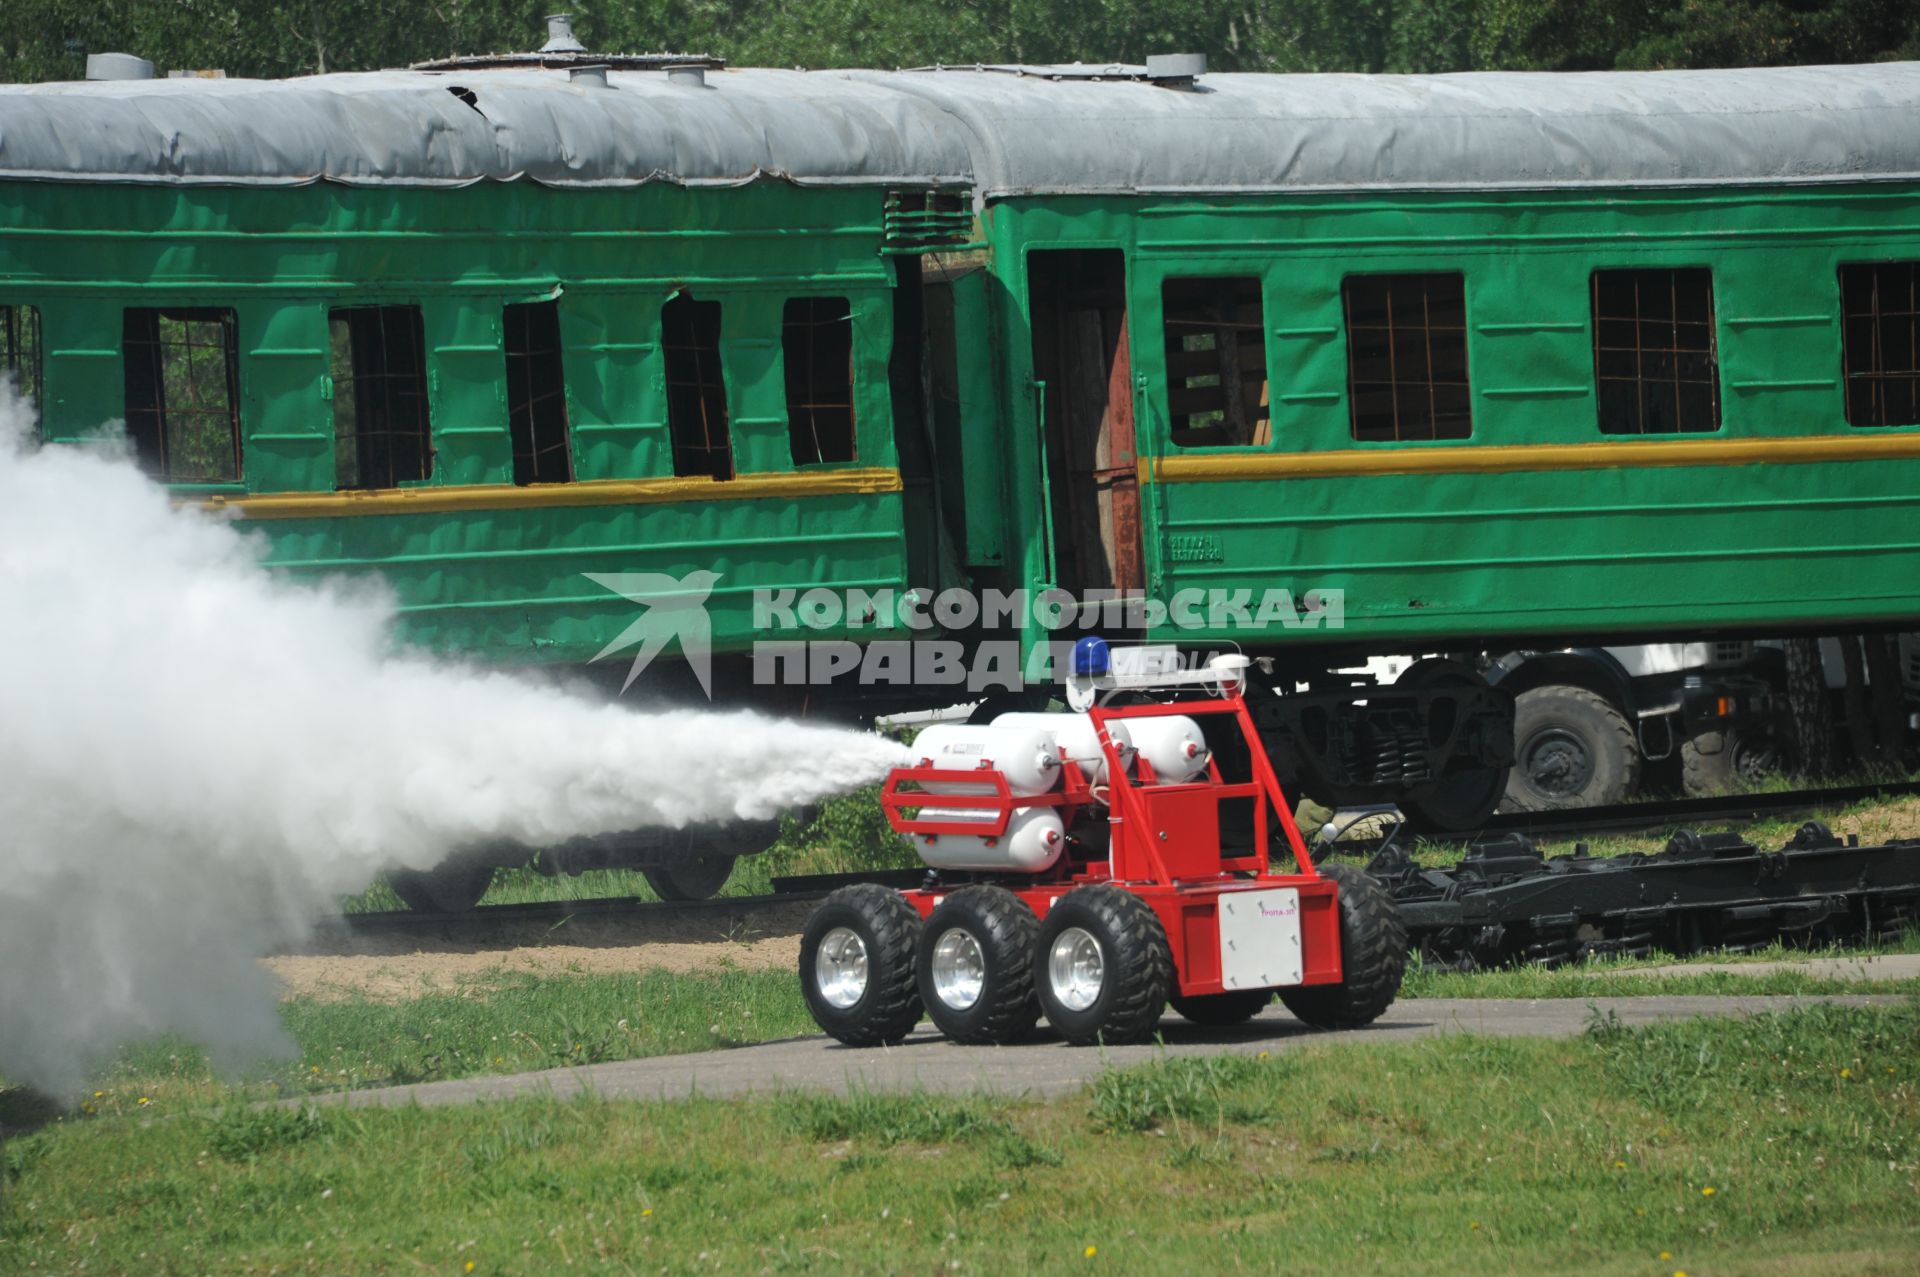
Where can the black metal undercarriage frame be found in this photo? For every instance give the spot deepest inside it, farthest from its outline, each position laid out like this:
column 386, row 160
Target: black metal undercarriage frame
column 1504, row 903
column 1364, row 744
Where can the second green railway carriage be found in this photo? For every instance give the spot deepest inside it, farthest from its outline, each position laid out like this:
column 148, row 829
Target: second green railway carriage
column 1321, row 365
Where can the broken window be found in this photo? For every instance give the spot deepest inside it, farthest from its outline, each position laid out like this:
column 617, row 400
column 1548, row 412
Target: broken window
column 816, row 337
column 381, row 436
column 536, row 394
column 1407, row 357
column 696, row 391
column 20, row 350
column 1654, row 358
column 1216, row 361
column 1880, row 342
column 183, row 393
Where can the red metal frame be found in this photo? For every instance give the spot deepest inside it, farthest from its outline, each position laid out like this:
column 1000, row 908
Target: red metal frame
column 1164, row 844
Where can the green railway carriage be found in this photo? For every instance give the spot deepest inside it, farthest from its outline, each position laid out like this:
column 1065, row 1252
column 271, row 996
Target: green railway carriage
column 1489, row 359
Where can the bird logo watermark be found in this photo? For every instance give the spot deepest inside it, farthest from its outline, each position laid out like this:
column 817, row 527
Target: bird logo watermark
column 675, row 609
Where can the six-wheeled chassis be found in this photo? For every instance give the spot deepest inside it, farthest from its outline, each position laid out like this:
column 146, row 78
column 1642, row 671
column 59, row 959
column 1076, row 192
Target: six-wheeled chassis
column 1164, row 892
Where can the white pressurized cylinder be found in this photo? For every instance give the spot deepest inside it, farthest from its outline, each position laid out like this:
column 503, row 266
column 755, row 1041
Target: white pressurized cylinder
column 1173, row 746
column 1033, row 841
column 1078, row 739
column 1026, row 756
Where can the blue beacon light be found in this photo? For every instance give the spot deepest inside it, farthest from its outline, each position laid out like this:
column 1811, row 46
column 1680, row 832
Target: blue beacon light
column 1091, row 658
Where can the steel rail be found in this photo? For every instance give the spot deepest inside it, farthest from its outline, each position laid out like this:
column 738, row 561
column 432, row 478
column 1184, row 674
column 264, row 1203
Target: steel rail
column 1667, row 814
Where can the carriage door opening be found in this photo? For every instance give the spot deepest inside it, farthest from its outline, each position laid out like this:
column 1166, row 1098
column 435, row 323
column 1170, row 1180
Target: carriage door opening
column 1079, row 309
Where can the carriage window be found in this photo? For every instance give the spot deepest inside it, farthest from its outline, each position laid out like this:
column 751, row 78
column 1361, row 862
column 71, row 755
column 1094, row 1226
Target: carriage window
column 20, row 350
column 696, row 391
column 536, row 394
column 1407, row 357
column 183, row 393
column 816, row 337
column 1216, row 361
column 1880, row 356
column 1654, row 356
column 381, row 437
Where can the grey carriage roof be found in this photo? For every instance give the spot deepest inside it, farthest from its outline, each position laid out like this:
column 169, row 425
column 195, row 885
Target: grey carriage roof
column 1002, row 131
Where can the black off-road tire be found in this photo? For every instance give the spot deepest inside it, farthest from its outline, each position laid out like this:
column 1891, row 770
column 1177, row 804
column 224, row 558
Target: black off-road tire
column 1572, row 748
column 449, row 888
column 1223, row 1010
column 1137, row 967
column 694, row 878
column 1005, row 929
column 1373, row 957
column 1713, row 763
column 890, row 929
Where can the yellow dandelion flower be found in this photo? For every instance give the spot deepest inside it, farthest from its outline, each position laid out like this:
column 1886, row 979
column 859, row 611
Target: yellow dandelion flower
column 1666, row 1254
column 1473, row 1223
column 469, row 1265
column 646, row 1211
column 144, row 1100
column 1091, row 1251
column 1846, row 1072
column 1708, row 1191
column 101, row 1094
column 1619, row 1166
column 1268, row 1055
column 1679, row 1272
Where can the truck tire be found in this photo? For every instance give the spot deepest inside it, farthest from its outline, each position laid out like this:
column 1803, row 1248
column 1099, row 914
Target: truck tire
column 1222, row 1010
column 975, row 966
column 1102, row 967
column 1724, row 762
column 695, row 878
column 1572, row 748
column 1373, row 957
column 453, row 887
column 856, row 965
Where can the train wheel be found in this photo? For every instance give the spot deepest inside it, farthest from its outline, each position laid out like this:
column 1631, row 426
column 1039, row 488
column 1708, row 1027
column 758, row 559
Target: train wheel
column 976, row 966
column 1462, row 800
column 1572, row 748
column 1373, row 957
column 856, row 965
column 695, row 878
column 1102, row 967
column 450, row 888
column 1221, row 1010
column 1725, row 762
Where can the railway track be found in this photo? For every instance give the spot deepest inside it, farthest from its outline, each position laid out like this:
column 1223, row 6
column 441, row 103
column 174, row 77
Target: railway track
column 1686, row 813
column 518, row 920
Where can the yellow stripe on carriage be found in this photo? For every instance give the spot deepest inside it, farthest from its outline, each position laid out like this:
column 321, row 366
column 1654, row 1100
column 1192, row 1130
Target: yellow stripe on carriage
column 861, row 481
column 1499, row 459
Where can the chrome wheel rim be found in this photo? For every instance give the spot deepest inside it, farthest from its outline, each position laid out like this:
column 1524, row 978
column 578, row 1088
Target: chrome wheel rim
column 1076, row 969
column 840, row 967
column 958, row 968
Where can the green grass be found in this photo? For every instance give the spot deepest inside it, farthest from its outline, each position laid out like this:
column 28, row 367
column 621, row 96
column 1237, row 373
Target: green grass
column 513, row 1024
column 516, row 1022
column 1781, row 1144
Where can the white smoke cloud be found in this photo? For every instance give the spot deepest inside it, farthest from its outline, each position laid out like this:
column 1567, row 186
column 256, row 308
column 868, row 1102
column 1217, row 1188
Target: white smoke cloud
column 197, row 755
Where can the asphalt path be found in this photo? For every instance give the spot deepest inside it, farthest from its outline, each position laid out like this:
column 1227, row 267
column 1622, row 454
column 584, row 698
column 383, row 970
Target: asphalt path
column 1046, row 1066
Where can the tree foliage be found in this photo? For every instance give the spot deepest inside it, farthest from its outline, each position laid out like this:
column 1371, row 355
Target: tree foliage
column 49, row 39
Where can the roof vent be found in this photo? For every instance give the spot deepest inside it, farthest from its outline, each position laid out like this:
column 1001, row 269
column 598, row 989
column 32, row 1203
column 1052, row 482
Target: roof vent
column 692, row 76
column 1176, row 70
column 118, row 66
column 560, row 35
column 589, row 77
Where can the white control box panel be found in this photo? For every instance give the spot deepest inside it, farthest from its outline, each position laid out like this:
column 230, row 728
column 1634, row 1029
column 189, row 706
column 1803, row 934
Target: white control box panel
column 1260, row 939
